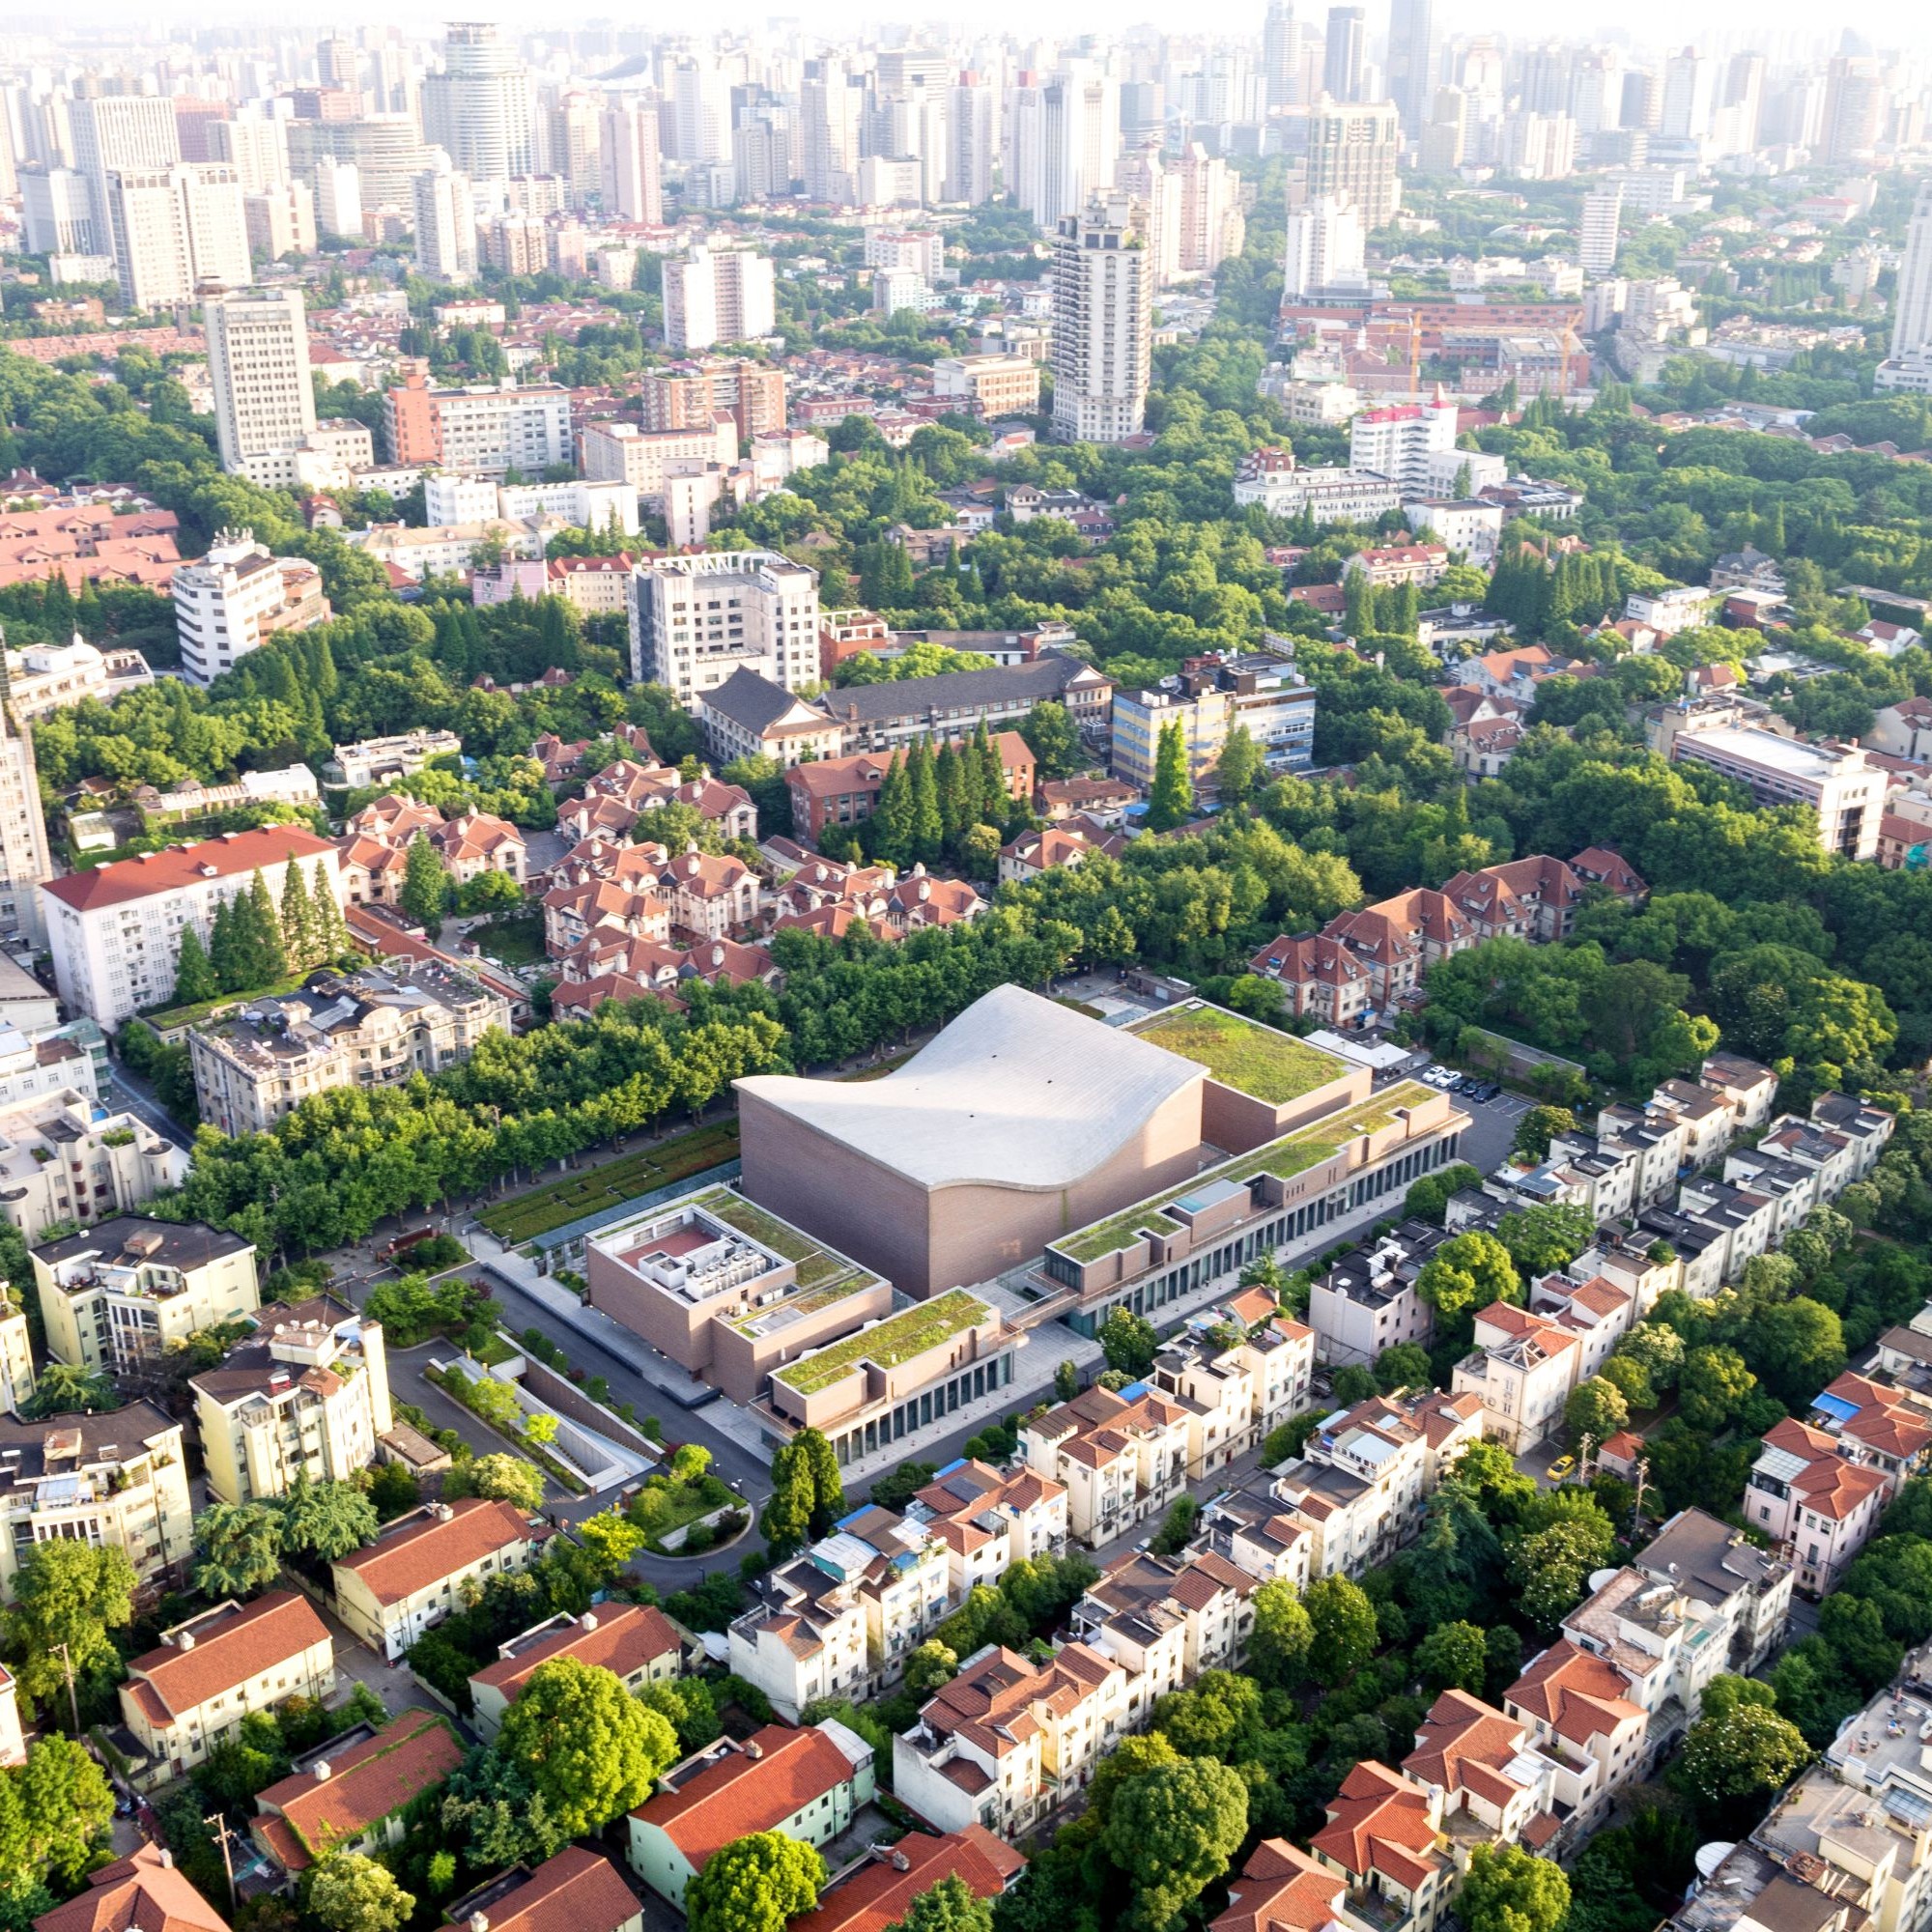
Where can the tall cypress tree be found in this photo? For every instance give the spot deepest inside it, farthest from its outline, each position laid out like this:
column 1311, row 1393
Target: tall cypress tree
column 889, row 832
column 195, row 978
column 951, row 791
column 265, row 930
column 929, row 830
column 225, row 950
column 331, row 933
column 297, row 923
column 1172, row 797
column 995, row 805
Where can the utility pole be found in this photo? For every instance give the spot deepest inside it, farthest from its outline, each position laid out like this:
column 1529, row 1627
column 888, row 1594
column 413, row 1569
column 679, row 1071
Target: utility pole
column 1643, row 1483
column 217, row 1823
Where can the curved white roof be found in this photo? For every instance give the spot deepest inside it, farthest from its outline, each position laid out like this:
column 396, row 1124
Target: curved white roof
column 1018, row 1091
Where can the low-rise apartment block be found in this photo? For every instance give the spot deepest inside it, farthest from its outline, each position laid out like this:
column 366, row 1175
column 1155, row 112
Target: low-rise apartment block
column 46, row 678
column 147, row 1888
column 622, row 452
column 1238, row 1369
column 1384, row 1836
column 1840, row 785
column 806, row 1784
column 1579, row 1709
column 879, row 1891
column 1008, row 1740
column 183, row 1699
column 1360, row 1483
column 804, row 1637
column 118, row 1479
column 1120, row 1457
column 1844, row 1845
column 115, row 931
column 117, row 1295
column 1522, row 1370
column 373, row 762
column 1210, row 699
column 1282, row 1888
column 988, row 1520
column 637, row 1642
column 988, row 386
column 304, row 1398
column 1367, row 1302
column 64, row 1157
column 1490, row 1784
column 377, row 1027
column 480, row 428
column 413, row 1576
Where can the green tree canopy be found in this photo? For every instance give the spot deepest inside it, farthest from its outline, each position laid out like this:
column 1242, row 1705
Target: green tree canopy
column 753, row 1885
column 590, row 1749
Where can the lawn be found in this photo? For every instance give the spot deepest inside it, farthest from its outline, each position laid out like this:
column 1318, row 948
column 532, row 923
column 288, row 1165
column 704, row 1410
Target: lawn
column 518, row 941
column 892, row 1341
column 572, row 1196
column 1253, row 1059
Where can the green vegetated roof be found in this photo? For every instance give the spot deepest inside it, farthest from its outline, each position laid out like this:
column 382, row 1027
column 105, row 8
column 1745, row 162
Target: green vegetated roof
column 1239, row 1053
column 849, row 1281
column 896, row 1339
column 1284, row 1158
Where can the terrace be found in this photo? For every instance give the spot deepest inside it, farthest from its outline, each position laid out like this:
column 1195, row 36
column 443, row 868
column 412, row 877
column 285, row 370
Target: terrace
column 1283, row 1159
column 1252, row 1059
column 896, row 1340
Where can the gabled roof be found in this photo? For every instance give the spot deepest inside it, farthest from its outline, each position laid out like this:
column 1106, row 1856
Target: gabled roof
column 1282, row 1889
column 306, row 1813
column 578, row 1891
column 623, row 1638
column 423, row 1550
column 146, row 1892
column 1379, row 1821
column 876, row 1895
column 741, row 1793
column 228, row 1650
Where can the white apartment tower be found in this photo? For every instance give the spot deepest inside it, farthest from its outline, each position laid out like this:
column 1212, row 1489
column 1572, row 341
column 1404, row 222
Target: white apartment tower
column 831, row 109
column 972, row 133
column 1206, row 212
column 1351, row 150
column 478, row 108
column 1598, row 233
column 175, row 228
column 446, row 214
column 257, row 150
column 117, row 132
column 1324, row 248
column 264, row 395
column 1690, row 83
column 1103, row 321
column 696, row 619
column 1911, row 306
column 633, row 174
column 23, row 833
column 338, row 198
column 1281, row 55
column 725, row 296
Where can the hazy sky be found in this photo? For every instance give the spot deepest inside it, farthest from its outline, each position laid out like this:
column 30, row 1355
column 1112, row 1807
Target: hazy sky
column 1779, row 26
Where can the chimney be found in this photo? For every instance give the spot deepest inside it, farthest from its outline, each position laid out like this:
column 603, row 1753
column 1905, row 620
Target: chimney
column 185, row 1640
column 321, row 1770
column 587, row 1621
column 479, row 1921
column 167, row 1861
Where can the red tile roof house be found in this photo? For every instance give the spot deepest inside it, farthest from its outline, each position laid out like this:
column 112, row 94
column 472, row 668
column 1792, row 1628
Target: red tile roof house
column 807, row 1784
column 873, row 1896
column 1383, row 1836
column 579, row 1890
column 641, row 1645
column 351, row 1797
column 210, row 1673
column 142, row 1893
column 410, row 1578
